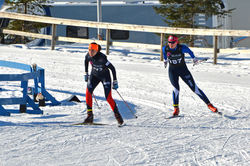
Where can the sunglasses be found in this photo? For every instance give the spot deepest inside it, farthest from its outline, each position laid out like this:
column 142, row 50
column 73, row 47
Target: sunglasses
column 172, row 42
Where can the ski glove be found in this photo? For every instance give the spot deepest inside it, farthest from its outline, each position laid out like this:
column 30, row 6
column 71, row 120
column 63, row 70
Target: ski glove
column 165, row 63
column 195, row 61
column 115, row 85
column 86, row 77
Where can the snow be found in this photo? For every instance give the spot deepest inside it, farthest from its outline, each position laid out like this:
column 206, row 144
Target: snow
column 199, row 137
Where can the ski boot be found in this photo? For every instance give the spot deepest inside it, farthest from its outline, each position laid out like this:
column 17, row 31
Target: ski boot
column 118, row 116
column 90, row 117
column 212, row 108
column 176, row 111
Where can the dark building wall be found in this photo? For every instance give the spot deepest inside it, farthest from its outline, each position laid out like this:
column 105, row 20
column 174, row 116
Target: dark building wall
column 127, row 14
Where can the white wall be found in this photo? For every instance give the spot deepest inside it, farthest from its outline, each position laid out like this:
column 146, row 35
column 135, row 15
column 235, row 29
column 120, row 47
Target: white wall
column 240, row 19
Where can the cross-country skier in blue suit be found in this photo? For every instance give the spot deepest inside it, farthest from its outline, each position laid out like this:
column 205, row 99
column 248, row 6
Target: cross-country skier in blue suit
column 173, row 54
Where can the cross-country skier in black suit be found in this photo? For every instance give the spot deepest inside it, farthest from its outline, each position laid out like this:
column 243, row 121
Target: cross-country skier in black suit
column 100, row 73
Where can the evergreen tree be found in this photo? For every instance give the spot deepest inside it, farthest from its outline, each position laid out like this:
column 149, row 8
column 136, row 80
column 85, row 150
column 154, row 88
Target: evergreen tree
column 33, row 7
column 182, row 13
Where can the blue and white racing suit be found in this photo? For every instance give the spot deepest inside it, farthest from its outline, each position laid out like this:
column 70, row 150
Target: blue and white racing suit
column 178, row 68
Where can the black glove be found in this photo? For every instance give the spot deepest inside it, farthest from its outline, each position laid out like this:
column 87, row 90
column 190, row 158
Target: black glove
column 115, row 85
column 86, row 77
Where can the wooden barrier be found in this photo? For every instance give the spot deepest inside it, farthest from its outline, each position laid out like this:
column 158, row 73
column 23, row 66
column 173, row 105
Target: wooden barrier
column 36, row 74
column 105, row 25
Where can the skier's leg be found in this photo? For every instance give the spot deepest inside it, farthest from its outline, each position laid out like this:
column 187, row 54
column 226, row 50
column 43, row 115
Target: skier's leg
column 92, row 83
column 108, row 94
column 189, row 80
column 174, row 79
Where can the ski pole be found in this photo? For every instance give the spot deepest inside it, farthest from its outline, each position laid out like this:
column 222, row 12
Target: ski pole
column 200, row 61
column 126, row 104
column 96, row 101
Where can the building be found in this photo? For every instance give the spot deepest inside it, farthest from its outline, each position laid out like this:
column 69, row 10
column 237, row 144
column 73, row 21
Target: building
column 237, row 20
column 140, row 13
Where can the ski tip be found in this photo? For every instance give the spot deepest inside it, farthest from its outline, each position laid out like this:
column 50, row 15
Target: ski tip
column 122, row 125
column 220, row 113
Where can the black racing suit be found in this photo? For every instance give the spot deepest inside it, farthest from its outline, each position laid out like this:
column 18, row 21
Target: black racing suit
column 178, row 68
column 99, row 73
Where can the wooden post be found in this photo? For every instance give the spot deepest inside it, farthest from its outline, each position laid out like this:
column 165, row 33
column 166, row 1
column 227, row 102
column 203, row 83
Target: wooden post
column 107, row 41
column 215, row 48
column 23, row 106
column 162, row 41
column 53, row 40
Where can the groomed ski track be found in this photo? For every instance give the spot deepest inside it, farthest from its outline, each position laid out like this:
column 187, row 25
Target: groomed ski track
column 198, row 138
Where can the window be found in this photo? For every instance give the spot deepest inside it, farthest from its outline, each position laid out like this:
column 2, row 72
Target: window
column 4, row 22
column 119, row 34
column 77, row 32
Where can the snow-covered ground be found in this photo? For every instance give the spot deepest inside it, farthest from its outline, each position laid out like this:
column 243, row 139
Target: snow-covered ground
column 199, row 137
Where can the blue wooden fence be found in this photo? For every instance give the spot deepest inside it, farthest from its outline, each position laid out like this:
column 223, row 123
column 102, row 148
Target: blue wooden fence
column 35, row 73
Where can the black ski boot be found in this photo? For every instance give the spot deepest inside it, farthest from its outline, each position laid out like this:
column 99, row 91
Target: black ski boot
column 118, row 116
column 90, row 117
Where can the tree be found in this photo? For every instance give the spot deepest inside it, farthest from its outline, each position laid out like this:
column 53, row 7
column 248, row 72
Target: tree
column 182, row 13
column 33, row 7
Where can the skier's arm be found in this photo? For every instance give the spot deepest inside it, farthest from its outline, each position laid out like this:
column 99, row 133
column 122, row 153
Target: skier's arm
column 185, row 49
column 165, row 57
column 86, row 62
column 112, row 68
column 164, row 53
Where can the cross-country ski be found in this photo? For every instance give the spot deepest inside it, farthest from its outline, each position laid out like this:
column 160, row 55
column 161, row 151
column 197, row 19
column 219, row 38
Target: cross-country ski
column 93, row 123
column 174, row 116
